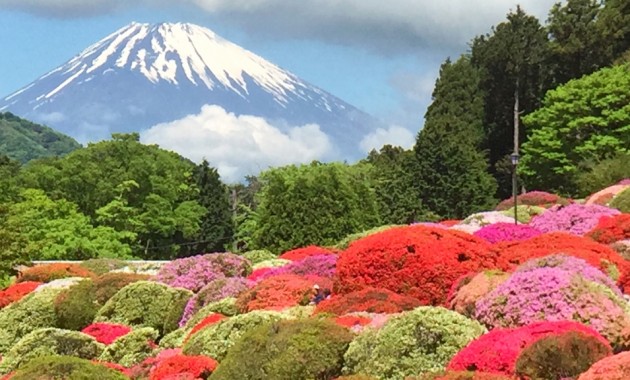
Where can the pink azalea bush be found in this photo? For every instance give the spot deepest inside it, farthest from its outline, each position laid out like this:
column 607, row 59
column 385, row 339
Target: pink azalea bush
column 319, row 265
column 498, row 232
column 194, row 272
column 215, row 291
column 554, row 294
column 575, row 218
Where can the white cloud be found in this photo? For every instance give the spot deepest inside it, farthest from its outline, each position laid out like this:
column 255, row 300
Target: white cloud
column 238, row 145
column 394, row 135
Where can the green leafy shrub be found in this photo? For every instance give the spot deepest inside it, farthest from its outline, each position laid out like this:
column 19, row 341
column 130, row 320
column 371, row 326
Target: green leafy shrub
column 174, row 339
column 66, row 368
column 563, row 356
column 417, row 341
column 109, row 284
column 622, row 201
column 604, row 173
column 345, row 242
column 102, row 266
column 258, row 255
column 132, row 348
column 524, row 213
column 226, row 306
column 28, row 314
column 50, row 341
column 146, row 304
column 270, row 351
column 215, row 340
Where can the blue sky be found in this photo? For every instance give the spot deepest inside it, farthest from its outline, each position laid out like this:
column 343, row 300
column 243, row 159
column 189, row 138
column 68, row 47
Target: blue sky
column 382, row 57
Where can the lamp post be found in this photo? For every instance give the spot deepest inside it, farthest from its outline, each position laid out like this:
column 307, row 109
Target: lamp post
column 514, row 157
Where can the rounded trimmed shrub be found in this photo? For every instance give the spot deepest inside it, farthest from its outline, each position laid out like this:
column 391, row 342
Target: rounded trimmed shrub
column 106, row 333
column 215, row 340
column 16, row 292
column 131, row 348
column 524, row 214
column 533, row 198
column 345, row 243
column 616, row 367
column 272, row 348
column 258, row 255
column 269, row 265
column 611, row 229
column 182, row 366
column 417, row 261
column 482, row 219
column 50, row 272
column 604, row 196
column 575, row 218
column 462, row 375
column 67, row 368
column 369, row 300
column 319, row 265
column 215, row 291
column 417, row 341
column 499, row 232
column 194, row 272
column 102, row 266
column 280, row 292
column 226, row 306
column 50, row 341
column 146, row 304
column 207, row 321
column 302, row 253
column 499, row 350
column 465, row 298
column 622, row 201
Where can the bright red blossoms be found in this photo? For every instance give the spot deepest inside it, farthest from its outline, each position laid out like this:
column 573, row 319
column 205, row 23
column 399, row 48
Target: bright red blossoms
column 370, row 300
column 199, row 367
column 417, row 261
column 611, row 229
column 106, row 333
column 15, row 292
column 279, row 292
column 302, row 253
column 207, row 321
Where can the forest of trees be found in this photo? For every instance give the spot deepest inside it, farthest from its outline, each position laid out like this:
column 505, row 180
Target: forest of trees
column 566, row 84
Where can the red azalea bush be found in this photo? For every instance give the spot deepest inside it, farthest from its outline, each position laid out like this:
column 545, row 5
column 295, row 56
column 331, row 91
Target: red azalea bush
column 616, row 367
column 598, row 255
column 259, row 274
column 50, row 272
column 302, row 253
column 499, row 350
column 462, row 375
column 370, row 300
column 611, row 229
column 106, row 333
column 15, row 292
column 533, row 198
column 450, row 222
column 498, row 232
column 199, row 367
column 350, row 321
column 207, row 321
column 280, row 292
column 418, row 261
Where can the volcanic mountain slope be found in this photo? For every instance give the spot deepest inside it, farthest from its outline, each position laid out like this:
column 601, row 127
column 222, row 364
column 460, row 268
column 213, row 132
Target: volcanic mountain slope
column 142, row 75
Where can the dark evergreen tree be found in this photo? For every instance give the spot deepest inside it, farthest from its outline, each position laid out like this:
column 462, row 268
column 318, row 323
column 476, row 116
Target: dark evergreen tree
column 216, row 229
column 451, row 174
column 614, row 23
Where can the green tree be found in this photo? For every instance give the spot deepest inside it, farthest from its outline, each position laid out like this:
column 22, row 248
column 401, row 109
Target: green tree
column 514, row 77
column 614, row 24
column 313, row 204
column 584, row 120
column 594, row 176
column 9, row 169
column 451, row 174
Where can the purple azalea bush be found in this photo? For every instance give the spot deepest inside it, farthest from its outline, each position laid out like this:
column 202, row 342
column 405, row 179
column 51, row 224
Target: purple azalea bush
column 318, row 265
column 194, row 272
column 215, row 291
column 575, row 218
column 498, row 232
column 554, row 294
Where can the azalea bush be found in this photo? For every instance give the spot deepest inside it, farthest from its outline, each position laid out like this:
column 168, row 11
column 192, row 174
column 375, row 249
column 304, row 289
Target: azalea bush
column 258, row 255
column 499, row 350
column 226, row 306
column 524, row 214
column 50, row 272
column 65, row 367
column 417, row 261
column 369, row 300
column 466, row 296
column 280, row 292
column 179, row 366
column 319, row 265
column 575, row 218
column 417, row 341
column 215, row 291
column 16, row 292
column 604, row 196
column 345, row 242
column 304, row 252
column 622, row 201
column 611, row 229
column 481, row 219
column 50, row 341
column 271, row 349
column 132, row 348
column 194, row 272
column 207, row 321
column 106, row 333
column 269, row 264
column 498, row 232
column 616, row 367
column 102, row 266
column 533, row 198
column 555, row 294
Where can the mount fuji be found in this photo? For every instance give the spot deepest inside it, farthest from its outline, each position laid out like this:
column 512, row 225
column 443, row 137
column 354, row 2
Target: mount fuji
column 143, row 76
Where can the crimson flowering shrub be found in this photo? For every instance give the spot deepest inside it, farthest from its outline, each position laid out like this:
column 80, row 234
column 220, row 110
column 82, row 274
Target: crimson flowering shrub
column 498, row 232
column 417, row 261
column 106, row 333
column 611, row 229
column 464, row 299
column 279, row 292
column 533, row 198
column 198, row 367
column 370, row 300
column 575, row 218
column 259, row 274
column 554, row 294
column 50, row 272
column 15, row 292
column 302, row 253
column 616, row 367
column 318, row 265
column 215, row 291
column 194, row 272
column 604, row 196
column 598, row 255
column 499, row 350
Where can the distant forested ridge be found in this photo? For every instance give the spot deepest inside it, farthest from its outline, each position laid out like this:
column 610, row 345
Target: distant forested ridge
column 24, row 141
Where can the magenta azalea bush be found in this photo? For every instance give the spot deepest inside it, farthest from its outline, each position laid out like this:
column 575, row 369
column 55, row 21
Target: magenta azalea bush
column 498, row 232
column 215, row 291
column 319, row 265
column 554, row 294
column 195, row 272
column 575, row 218
column 573, row 265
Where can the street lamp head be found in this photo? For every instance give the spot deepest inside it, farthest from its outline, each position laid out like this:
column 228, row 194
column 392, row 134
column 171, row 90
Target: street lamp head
column 514, row 157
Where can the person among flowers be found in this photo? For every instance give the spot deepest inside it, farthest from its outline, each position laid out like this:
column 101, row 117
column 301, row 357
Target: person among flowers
column 320, row 295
